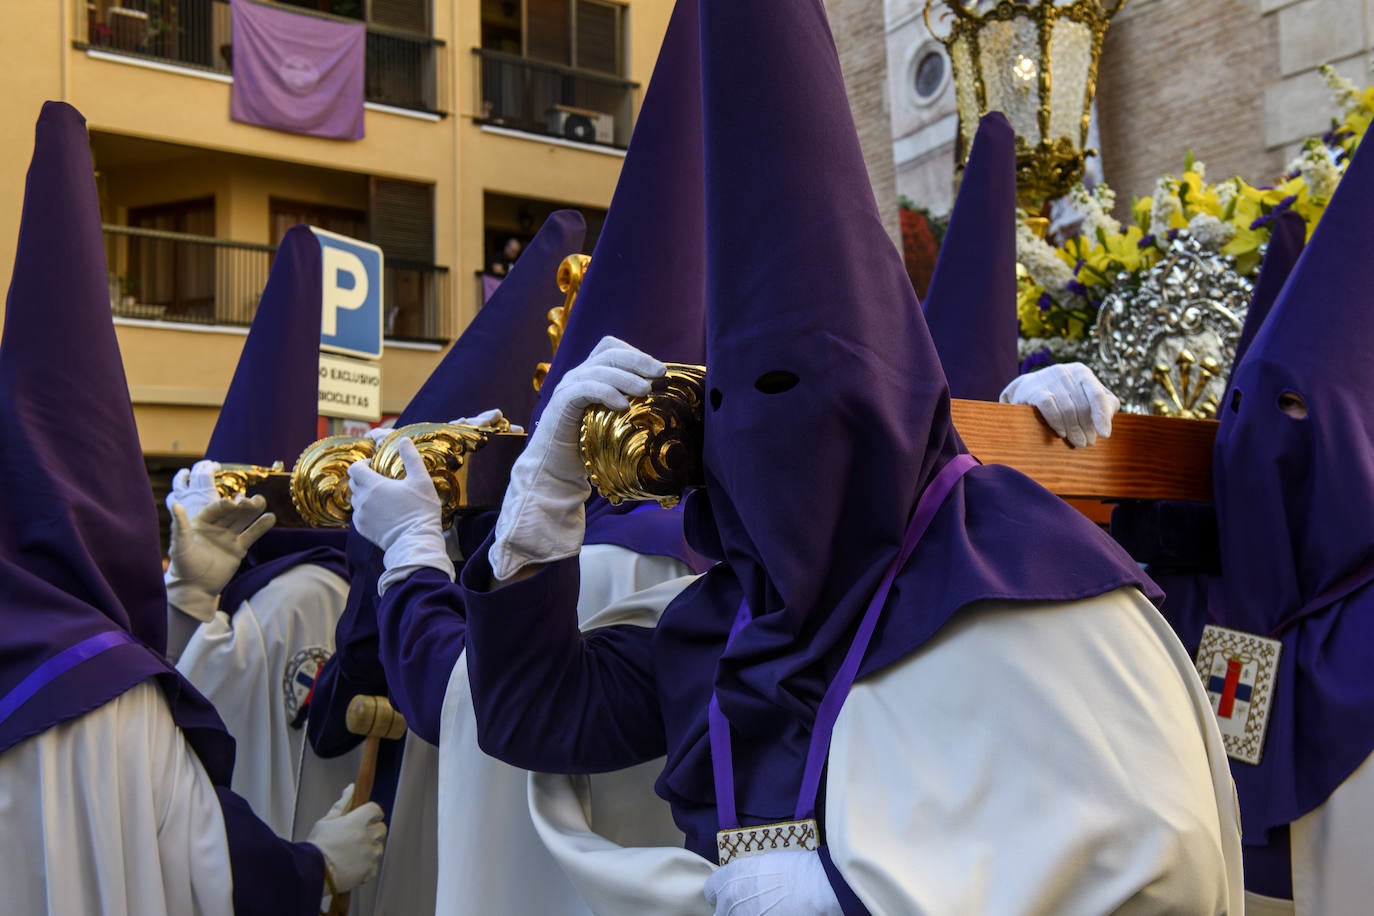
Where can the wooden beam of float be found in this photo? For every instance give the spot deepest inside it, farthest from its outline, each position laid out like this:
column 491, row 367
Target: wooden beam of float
column 1145, row 458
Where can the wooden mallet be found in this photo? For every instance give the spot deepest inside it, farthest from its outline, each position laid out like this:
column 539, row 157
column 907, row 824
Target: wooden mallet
column 374, row 718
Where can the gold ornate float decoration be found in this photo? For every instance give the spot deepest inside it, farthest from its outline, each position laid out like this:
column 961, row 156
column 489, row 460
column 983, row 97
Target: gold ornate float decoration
column 653, row 449
column 315, row 493
column 570, row 275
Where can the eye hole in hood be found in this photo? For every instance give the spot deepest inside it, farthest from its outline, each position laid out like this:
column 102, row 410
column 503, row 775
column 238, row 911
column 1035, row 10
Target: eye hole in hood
column 776, row 382
column 1291, row 403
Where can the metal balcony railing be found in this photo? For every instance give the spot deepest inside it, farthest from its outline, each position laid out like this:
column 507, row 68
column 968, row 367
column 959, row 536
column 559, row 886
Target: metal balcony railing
column 403, row 69
column 541, row 98
column 176, row 277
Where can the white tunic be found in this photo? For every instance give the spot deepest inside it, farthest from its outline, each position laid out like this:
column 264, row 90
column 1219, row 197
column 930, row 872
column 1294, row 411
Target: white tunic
column 1330, row 854
column 112, row 813
column 493, row 861
column 254, row 666
column 1055, row 759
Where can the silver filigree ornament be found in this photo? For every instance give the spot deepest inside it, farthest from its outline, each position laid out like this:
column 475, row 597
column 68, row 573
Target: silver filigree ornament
column 1164, row 342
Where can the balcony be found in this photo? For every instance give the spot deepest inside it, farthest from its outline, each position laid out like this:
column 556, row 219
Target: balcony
column 534, row 97
column 175, row 277
column 404, row 69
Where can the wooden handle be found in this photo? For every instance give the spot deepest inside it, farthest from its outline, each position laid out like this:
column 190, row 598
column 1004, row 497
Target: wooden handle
column 362, row 794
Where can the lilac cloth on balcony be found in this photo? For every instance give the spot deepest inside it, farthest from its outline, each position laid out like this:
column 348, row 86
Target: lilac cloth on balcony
column 297, row 73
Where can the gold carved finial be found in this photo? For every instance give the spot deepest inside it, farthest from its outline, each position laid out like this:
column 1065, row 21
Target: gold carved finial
column 234, row 480
column 1186, row 395
column 570, row 274
column 319, row 482
column 652, row 450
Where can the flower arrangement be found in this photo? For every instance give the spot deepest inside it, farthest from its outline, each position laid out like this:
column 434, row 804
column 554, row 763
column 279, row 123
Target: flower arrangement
column 1061, row 287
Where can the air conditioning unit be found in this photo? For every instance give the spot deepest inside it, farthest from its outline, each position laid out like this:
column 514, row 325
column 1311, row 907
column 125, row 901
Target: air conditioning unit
column 581, row 125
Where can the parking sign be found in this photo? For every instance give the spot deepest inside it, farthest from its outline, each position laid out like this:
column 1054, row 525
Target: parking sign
column 351, row 319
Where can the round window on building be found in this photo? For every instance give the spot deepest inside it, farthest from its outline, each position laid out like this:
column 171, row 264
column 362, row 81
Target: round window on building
column 929, row 77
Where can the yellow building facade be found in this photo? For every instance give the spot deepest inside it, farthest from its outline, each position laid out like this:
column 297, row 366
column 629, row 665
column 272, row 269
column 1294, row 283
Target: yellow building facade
column 482, row 116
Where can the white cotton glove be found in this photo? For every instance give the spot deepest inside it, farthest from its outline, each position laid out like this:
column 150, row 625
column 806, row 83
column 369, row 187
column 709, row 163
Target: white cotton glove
column 402, row 517
column 1073, row 402
column 542, row 516
column 791, row 881
column 206, row 551
column 194, row 487
column 486, row 418
column 378, row 433
column 352, row 843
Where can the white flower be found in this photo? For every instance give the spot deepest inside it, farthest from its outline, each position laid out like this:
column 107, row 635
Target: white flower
column 1226, row 194
column 1095, row 208
column 1318, row 171
column 1166, row 205
column 1211, row 232
column 1062, row 349
column 1346, row 93
column 1042, row 262
column 1200, row 169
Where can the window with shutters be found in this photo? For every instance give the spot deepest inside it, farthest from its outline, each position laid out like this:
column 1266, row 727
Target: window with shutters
column 167, row 273
column 581, row 34
column 416, row 292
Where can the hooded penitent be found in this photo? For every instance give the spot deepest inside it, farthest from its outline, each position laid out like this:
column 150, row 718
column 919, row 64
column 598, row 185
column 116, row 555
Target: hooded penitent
column 1285, row 246
column 490, row 365
column 645, row 284
column 83, row 616
column 1294, row 478
column 971, row 306
column 272, row 408
column 827, row 416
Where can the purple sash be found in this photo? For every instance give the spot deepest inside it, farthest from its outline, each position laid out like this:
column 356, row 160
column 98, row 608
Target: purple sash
column 829, row 710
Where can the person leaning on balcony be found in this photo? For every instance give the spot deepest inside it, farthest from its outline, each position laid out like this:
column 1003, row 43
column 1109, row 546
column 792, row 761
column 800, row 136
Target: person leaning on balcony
column 505, row 258
column 114, row 770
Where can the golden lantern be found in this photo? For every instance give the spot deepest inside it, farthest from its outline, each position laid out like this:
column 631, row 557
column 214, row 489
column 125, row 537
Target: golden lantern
column 1036, row 62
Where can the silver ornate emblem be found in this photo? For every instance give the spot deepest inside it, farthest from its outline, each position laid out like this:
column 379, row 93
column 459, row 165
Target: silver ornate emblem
column 1165, row 345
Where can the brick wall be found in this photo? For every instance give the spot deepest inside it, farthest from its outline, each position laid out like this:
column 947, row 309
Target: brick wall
column 860, row 35
column 1182, row 74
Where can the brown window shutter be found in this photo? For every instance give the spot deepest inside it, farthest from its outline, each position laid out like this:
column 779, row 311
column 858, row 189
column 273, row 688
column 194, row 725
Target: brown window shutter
column 411, row 15
column 401, row 219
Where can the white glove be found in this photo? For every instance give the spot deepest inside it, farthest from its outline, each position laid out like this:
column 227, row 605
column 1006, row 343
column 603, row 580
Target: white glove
column 351, row 843
column 542, row 516
column 487, row 418
column 1073, row 402
column 402, row 517
column 194, row 488
column 791, row 881
column 378, row 433
column 206, row 551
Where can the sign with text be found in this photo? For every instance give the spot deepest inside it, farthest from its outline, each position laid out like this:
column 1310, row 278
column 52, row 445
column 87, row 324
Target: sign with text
column 351, row 319
column 350, row 388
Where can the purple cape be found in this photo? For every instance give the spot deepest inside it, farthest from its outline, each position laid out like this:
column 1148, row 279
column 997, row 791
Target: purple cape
column 828, row 415
column 971, row 306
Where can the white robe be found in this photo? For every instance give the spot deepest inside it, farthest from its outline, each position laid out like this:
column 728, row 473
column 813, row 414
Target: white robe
column 493, row 861
column 1049, row 759
column 241, row 664
column 1330, row 852
column 112, row 813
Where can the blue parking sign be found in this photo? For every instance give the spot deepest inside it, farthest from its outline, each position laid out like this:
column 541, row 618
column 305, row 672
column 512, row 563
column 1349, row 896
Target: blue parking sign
column 351, row 300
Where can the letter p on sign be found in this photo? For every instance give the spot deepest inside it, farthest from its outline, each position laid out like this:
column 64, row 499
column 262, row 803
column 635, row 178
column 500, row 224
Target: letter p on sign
column 351, row 295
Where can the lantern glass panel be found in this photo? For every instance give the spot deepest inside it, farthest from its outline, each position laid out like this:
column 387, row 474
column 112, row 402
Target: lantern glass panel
column 1071, row 51
column 965, row 92
column 1010, row 60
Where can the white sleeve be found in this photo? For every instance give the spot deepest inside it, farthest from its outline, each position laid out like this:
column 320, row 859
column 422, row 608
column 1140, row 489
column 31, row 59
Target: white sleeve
column 1055, row 759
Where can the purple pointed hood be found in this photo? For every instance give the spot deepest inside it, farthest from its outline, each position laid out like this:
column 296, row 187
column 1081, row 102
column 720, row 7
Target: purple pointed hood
column 492, row 363
column 827, row 416
column 971, row 305
column 271, row 411
column 645, row 284
column 1285, row 246
column 1295, row 496
column 83, row 615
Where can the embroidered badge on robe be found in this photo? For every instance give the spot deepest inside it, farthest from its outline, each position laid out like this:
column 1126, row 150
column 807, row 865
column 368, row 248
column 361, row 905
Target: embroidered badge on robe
column 1238, row 670
column 298, row 683
column 755, row 841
